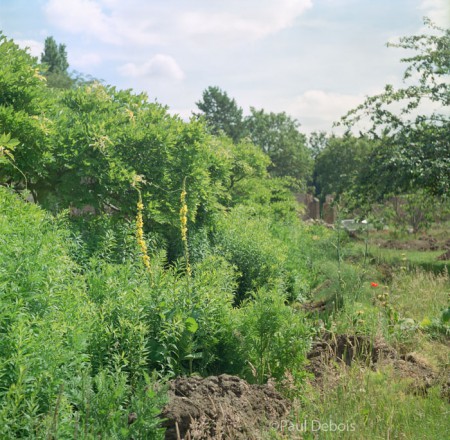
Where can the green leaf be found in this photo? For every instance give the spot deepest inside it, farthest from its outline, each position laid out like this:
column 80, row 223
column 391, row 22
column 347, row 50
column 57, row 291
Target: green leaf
column 191, row 325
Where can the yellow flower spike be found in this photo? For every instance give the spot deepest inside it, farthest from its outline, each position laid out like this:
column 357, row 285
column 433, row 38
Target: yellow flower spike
column 140, row 232
column 183, row 226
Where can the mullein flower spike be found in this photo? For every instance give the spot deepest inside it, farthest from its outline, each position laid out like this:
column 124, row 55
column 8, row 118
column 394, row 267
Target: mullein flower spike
column 140, row 234
column 183, row 226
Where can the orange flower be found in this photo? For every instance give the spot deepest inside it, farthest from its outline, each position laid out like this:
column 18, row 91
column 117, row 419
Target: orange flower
column 374, row 284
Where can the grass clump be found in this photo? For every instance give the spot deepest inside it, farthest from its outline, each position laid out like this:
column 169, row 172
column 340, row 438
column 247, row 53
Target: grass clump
column 375, row 405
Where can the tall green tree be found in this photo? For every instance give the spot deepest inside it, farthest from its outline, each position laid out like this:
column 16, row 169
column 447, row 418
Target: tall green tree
column 54, row 58
column 415, row 149
column 221, row 113
column 278, row 135
column 317, row 142
column 341, row 165
column 24, row 103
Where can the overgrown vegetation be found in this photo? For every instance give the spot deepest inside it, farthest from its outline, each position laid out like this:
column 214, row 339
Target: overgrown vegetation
column 136, row 247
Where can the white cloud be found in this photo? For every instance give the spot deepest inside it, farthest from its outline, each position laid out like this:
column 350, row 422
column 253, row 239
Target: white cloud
column 35, row 48
column 438, row 11
column 84, row 60
column 140, row 22
column 237, row 22
column 315, row 109
column 81, row 16
column 160, row 66
column 102, row 21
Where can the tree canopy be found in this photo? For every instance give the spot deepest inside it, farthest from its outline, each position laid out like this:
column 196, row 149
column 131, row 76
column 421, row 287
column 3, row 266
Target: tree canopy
column 341, row 164
column 276, row 134
column 87, row 146
column 24, row 103
column 54, row 59
column 221, row 113
column 415, row 148
column 279, row 137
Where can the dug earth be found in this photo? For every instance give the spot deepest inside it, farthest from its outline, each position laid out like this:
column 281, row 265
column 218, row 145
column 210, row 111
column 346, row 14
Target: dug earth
column 218, row 407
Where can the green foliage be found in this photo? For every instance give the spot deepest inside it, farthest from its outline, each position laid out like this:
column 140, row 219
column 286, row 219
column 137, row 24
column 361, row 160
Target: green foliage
column 51, row 385
column 104, row 406
column 375, row 405
column 189, row 324
column 167, row 323
column 244, row 238
column 44, row 324
column 271, row 197
column 415, row 211
column 307, row 255
column 317, row 141
column 104, row 237
column 277, row 134
column 221, row 113
column 87, row 333
column 7, row 146
column 341, row 165
column 23, row 106
column 272, row 337
column 248, row 161
column 415, row 150
column 54, row 58
column 106, row 137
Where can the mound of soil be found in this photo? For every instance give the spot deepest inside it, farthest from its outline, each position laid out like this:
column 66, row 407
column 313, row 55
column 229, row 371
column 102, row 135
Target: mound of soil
column 221, row 407
column 445, row 256
column 416, row 370
column 332, row 351
column 328, row 353
column 227, row 407
column 423, row 243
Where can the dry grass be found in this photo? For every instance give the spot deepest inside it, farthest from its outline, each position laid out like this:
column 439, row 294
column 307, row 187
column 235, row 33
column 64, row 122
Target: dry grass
column 419, row 294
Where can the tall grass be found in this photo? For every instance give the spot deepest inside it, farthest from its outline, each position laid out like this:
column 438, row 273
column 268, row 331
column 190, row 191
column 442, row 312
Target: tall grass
column 420, row 294
column 378, row 406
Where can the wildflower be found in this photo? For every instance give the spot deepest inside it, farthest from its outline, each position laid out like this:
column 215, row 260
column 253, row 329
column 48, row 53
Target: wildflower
column 183, row 218
column 183, row 226
column 374, row 284
column 140, row 234
column 425, row 322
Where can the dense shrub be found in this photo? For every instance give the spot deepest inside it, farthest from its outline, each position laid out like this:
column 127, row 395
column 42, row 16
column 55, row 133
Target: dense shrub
column 244, row 238
column 50, row 383
column 271, row 337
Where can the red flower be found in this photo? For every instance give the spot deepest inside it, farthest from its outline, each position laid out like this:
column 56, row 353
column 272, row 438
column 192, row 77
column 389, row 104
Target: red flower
column 374, row 284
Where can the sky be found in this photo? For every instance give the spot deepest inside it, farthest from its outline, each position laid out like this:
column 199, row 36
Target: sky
column 313, row 59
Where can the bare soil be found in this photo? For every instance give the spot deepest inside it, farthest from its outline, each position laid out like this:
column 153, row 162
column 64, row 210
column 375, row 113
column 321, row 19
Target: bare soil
column 227, row 407
column 221, row 407
column 423, row 243
column 331, row 352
